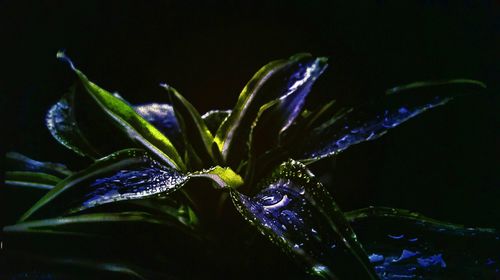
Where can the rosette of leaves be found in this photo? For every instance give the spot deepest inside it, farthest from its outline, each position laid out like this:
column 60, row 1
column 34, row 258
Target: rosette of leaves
column 164, row 174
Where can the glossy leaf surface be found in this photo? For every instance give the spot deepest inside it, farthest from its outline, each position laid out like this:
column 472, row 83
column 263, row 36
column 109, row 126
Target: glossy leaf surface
column 135, row 126
column 213, row 119
column 296, row 213
column 403, row 244
column 193, row 127
column 162, row 117
column 62, row 124
column 275, row 80
column 370, row 121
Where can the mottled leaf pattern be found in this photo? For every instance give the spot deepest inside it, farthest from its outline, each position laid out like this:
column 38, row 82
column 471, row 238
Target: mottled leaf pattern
column 295, row 212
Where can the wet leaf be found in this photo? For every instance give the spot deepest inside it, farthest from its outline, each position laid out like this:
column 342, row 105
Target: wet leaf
column 277, row 79
column 62, row 124
column 94, row 185
column 370, row 121
column 162, row 117
column 296, row 213
column 405, row 244
column 125, row 175
column 19, row 162
column 135, row 126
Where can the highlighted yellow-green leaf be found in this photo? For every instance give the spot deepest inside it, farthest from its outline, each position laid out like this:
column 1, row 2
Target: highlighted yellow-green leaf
column 135, row 126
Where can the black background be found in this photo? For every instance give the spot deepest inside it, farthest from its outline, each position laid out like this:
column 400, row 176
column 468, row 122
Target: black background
column 443, row 163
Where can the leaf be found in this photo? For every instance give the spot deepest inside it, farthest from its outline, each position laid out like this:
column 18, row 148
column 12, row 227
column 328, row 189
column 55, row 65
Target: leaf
column 370, row 121
column 84, row 187
column 19, row 162
column 296, row 213
column 278, row 115
column 423, row 84
column 223, row 177
column 277, row 79
column 125, row 175
column 31, row 179
column 406, row 244
column 135, row 126
column 61, row 122
column 162, row 117
column 213, row 119
column 193, row 127
column 67, row 224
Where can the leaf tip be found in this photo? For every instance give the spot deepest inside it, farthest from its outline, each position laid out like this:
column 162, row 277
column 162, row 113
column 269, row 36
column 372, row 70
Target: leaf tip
column 61, row 55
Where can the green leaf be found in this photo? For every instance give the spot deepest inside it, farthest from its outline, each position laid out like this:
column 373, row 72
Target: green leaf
column 125, row 175
column 424, row 84
column 67, row 224
column 31, row 179
column 193, row 127
column 79, row 185
column 372, row 120
column 135, row 126
column 18, row 162
column 274, row 80
column 214, row 118
column 223, row 177
column 296, row 213
column 61, row 122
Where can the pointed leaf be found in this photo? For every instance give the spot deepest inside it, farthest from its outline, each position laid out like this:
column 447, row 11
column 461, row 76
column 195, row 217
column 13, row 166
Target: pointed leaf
column 296, row 213
column 276, row 79
column 61, row 122
column 192, row 126
column 19, row 162
column 370, row 121
column 213, row 119
column 67, row 224
column 31, row 179
column 135, row 126
column 123, row 175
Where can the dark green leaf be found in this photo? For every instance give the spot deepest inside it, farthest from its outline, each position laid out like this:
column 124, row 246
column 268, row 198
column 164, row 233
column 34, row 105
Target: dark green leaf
column 31, row 179
column 277, row 79
column 370, row 121
column 213, row 119
column 62, row 124
column 406, row 244
column 125, row 175
column 296, row 213
column 19, row 162
column 95, row 185
column 193, row 127
column 135, row 126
